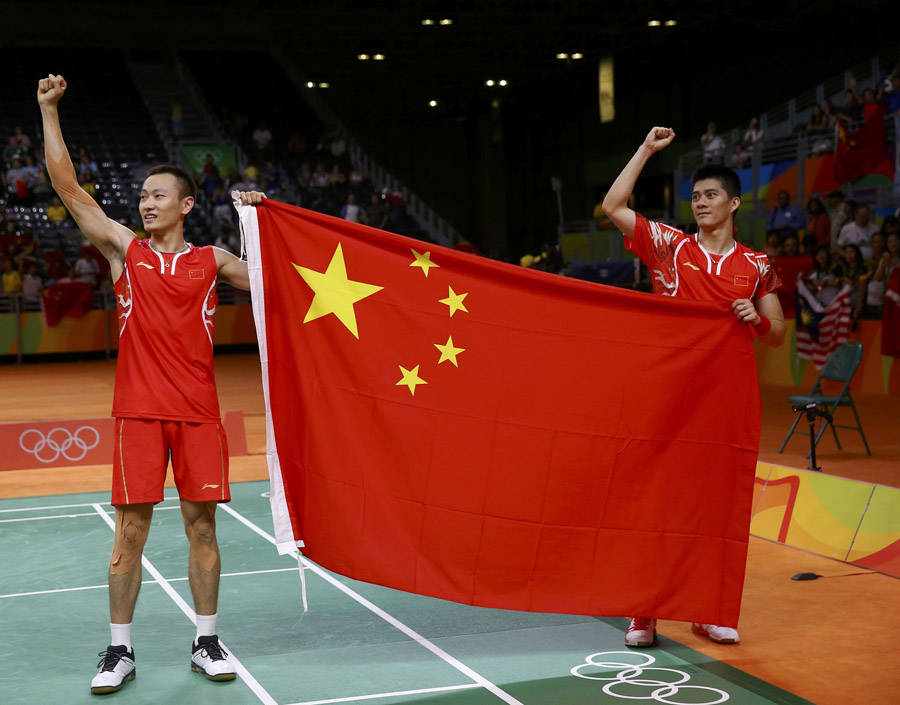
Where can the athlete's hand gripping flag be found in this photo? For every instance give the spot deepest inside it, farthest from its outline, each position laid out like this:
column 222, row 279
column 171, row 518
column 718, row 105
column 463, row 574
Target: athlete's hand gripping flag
column 457, row 427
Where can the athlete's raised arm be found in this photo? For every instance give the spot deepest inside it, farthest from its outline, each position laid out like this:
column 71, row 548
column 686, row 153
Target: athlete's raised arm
column 615, row 205
column 111, row 238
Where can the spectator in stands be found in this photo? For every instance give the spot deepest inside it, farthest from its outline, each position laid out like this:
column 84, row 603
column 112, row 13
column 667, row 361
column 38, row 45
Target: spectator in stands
column 262, row 137
column 31, row 283
column 819, row 130
column 857, row 276
column 790, row 247
column 56, row 212
column 836, row 213
column 744, row 151
column 852, row 111
column 176, row 116
column 270, row 177
column 21, row 139
column 786, row 218
column 12, row 276
column 86, row 165
column 87, row 183
column 824, row 279
column 250, row 182
column 878, row 244
column 338, row 146
column 351, row 210
column 713, row 146
column 356, row 178
column 376, row 213
column 874, row 288
column 305, row 177
column 773, row 244
column 18, row 179
column 70, row 277
column 818, row 229
column 890, row 259
column 336, row 176
column 320, row 177
column 86, row 267
column 891, row 99
column 858, row 232
column 296, row 145
column 13, row 150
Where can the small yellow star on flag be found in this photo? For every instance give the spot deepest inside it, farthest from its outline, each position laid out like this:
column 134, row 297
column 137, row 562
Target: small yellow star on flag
column 334, row 292
column 423, row 261
column 448, row 352
column 455, row 302
column 410, row 378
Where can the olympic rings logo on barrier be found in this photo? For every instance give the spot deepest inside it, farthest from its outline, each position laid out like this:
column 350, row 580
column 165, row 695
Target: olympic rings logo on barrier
column 620, row 673
column 59, row 442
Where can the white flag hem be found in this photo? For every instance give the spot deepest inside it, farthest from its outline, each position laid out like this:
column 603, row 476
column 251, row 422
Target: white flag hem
column 284, row 533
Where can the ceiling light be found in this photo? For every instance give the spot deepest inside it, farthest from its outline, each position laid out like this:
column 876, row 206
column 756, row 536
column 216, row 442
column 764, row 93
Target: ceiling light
column 378, row 57
column 324, row 84
column 495, row 103
column 489, row 82
column 562, row 55
column 503, row 82
column 427, row 23
column 310, row 84
column 654, row 23
column 446, row 22
column 432, row 103
column 577, row 55
column 671, row 23
column 362, row 57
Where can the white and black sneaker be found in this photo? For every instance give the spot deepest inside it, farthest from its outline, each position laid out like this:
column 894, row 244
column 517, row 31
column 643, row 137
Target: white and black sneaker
column 116, row 669
column 209, row 658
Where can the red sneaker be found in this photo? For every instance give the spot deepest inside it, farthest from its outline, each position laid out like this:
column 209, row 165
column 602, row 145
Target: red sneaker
column 641, row 632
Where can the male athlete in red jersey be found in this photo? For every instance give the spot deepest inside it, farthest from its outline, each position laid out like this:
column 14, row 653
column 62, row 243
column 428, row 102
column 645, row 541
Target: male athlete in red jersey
column 165, row 400
column 709, row 266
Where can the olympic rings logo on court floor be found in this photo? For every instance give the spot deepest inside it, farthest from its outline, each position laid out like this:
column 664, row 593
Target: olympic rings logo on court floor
column 59, row 442
column 619, row 673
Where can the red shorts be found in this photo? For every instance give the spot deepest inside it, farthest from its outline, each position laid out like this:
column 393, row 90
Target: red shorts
column 199, row 453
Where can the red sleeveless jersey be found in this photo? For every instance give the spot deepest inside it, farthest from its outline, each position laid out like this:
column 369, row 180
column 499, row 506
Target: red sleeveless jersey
column 166, row 302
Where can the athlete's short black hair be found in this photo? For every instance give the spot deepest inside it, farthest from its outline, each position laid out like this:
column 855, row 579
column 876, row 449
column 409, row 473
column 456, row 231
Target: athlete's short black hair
column 725, row 176
column 186, row 184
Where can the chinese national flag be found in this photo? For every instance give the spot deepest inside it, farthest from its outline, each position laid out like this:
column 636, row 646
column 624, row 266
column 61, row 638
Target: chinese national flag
column 66, row 299
column 860, row 153
column 457, row 427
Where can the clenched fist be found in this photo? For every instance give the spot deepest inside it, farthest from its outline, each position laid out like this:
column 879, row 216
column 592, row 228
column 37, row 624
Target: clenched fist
column 51, row 89
column 659, row 138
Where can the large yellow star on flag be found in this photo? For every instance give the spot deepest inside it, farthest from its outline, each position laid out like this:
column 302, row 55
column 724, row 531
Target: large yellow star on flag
column 455, row 302
column 410, row 378
column 423, row 261
column 334, row 292
column 448, row 352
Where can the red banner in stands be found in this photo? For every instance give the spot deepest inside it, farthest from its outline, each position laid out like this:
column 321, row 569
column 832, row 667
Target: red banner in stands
column 75, row 442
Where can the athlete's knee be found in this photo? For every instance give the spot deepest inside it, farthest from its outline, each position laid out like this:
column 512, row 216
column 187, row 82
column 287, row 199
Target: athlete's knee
column 128, row 546
column 201, row 530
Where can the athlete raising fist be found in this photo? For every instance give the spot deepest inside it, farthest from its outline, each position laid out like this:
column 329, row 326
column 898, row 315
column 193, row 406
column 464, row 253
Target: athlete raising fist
column 165, row 401
column 710, row 266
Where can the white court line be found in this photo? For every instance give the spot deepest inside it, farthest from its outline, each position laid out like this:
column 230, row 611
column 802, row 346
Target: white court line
column 70, row 516
column 389, row 695
column 143, row 582
column 394, row 622
column 69, row 506
column 245, row 675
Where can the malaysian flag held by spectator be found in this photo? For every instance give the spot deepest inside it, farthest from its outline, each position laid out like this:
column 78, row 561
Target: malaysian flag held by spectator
column 821, row 330
column 890, row 321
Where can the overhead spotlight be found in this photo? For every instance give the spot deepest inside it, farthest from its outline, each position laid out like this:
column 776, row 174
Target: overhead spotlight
column 378, row 57
column 495, row 103
column 502, row 82
column 362, row 57
column 427, row 23
column 671, row 23
column 562, row 55
column 654, row 23
column 324, row 84
column 310, row 84
column 446, row 22
column 432, row 103
column 489, row 82
column 577, row 55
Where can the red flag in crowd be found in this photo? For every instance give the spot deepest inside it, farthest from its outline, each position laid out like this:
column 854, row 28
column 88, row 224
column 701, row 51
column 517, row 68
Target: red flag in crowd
column 67, row 299
column 821, row 330
column 859, row 153
column 890, row 321
column 457, row 427
column 788, row 268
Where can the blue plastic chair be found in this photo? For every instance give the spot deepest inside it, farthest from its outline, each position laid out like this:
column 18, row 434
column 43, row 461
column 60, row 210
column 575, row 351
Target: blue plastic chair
column 841, row 366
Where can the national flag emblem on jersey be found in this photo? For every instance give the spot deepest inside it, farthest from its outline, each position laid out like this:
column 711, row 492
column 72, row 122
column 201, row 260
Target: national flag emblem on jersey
column 741, row 280
column 196, row 273
column 449, row 425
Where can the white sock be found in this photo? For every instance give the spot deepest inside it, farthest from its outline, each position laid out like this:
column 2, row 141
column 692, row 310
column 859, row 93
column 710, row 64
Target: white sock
column 121, row 634
column 206, row 625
